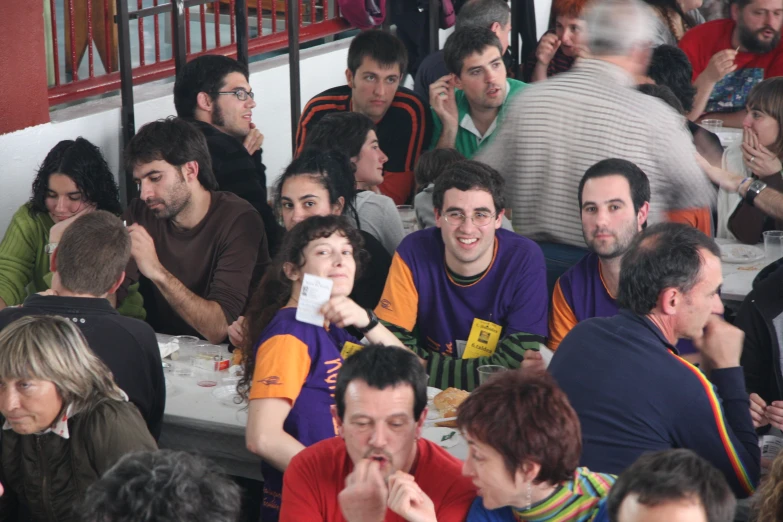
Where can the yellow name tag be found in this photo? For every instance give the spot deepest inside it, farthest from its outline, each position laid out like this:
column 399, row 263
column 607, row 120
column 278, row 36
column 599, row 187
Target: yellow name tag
column 483, row 339
column 350, row 348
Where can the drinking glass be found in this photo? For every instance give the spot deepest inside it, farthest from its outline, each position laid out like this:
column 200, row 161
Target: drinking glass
column 487, row 371
column 773, row 245
column 408, row 217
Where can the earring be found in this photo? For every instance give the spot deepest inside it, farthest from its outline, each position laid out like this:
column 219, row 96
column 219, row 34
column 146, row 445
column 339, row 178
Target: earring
column 529, row 498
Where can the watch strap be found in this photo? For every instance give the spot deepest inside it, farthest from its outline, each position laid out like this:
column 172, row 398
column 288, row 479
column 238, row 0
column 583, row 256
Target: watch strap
column 373, row 321
column 755, row 187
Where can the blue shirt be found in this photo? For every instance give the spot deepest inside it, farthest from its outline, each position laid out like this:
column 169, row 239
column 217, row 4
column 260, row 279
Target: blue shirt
column 633, row 394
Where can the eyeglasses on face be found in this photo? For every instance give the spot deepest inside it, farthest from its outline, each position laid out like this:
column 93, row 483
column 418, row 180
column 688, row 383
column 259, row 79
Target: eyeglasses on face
column 241, row 94
column 480, row 219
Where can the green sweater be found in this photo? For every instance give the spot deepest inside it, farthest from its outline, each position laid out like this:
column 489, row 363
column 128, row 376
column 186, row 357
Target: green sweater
column 24, row 263
column 466, row 142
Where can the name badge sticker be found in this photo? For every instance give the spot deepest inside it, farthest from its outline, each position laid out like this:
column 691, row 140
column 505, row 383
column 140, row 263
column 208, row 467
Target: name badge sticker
column 483, row 339
column 349, row 349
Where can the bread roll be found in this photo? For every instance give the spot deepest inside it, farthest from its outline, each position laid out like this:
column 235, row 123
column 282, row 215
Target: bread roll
column 448, row 400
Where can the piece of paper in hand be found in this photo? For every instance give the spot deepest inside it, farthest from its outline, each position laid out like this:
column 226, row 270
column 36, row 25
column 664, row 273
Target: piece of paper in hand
column 546, row 354
column 315, row 293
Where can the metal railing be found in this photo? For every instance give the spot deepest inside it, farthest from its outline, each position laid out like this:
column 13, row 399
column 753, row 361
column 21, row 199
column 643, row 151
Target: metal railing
column 236, row 28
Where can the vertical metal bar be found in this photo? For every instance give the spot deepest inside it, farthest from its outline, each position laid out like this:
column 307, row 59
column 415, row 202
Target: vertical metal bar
column 232, row 20
column 293, row 67
column 240, row 10
column 72, row 29
column 90, row 57
column 217, row 23
column 126, row 78
column 178, row 42
column 434, row 24
column 187, row 28
column 515, row 12
column 157, row 33
column 312, row 11
column 259, row 19
column 203, row 18
column 108, row 31
column 274, row 15
column 55, row 53
column 140, row 5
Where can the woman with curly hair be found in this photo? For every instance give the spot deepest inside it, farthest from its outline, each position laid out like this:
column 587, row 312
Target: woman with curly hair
column 768, row 500
column 73, row 179
column 291, row 367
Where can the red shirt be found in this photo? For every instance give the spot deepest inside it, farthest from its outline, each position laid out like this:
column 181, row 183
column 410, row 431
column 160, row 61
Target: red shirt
column 316, row 476
column 703, row 41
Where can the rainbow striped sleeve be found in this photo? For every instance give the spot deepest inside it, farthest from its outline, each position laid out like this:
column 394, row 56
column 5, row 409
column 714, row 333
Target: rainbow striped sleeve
column 723, row 432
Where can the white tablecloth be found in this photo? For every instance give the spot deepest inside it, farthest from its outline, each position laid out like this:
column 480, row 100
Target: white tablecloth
column 738, row 277
column 196, row 421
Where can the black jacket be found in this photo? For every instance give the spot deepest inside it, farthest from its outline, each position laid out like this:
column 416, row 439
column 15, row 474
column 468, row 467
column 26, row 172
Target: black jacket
column 238, row 172
column 761, row 318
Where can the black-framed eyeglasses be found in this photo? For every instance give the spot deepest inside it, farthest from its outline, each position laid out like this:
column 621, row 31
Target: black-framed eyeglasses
column 480, row 219
column 241, row 94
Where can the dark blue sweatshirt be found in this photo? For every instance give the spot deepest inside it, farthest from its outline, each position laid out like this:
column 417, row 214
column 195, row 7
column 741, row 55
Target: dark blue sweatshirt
column 633, row 394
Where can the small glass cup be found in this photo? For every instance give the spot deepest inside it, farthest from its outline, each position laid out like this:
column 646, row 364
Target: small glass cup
column 408, row 217
column 773, row 245
column 712, row 125
column 487, row 371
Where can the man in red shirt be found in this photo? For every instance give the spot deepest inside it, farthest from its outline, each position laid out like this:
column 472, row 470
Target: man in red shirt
column 378, row 468
column 730, row 56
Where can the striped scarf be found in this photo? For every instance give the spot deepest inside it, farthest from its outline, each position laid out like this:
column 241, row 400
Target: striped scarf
column 577, row 500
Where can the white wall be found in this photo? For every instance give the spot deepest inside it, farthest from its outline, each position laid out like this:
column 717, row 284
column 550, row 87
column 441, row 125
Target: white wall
column 22, row 152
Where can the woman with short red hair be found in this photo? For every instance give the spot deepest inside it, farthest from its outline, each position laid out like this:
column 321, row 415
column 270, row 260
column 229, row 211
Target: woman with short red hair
column 559, row 47
column 525, row 443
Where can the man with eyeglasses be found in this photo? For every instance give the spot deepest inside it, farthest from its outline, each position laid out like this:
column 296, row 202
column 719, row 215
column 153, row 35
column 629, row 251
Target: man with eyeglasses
column 214, row 93
column 467, row 293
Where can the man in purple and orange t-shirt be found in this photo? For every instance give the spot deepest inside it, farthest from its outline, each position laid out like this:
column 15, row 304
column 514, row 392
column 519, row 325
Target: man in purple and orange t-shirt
column 376, row 65
column 379, row 467
column 614, row 199
column 730, row 56
column 466, row 293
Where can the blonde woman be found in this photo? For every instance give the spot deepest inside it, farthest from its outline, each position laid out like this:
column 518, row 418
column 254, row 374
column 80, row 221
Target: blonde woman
column 65, row 422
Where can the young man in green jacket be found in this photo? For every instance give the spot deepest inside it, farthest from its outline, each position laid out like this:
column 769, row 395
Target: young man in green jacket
column 469, row 104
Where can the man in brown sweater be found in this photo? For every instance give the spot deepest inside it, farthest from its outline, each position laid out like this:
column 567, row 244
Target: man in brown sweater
column 197, row 251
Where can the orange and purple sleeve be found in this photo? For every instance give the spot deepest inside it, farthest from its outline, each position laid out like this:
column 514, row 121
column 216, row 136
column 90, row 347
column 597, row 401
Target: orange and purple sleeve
column 561, row 318
column 282, row 365
column 400, row 300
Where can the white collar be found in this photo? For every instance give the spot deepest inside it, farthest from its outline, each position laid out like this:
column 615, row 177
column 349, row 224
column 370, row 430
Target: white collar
column 60, row 426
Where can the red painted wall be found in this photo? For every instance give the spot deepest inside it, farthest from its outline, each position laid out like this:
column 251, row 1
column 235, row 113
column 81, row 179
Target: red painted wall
column 23, row 90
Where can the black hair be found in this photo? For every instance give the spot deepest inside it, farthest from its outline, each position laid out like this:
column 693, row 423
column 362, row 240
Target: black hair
column 274, row 290
column 83, row 162
column 663, row 93
column 382, row 47
column 637, row 180
column 666, row 255
column 465, row 42
column 432, row 163
column 469, row 175
column 483, row 13
column 203, row 74
column 331, row 169
column 151, row 486
column 382, row 367
column 670, row 67
column 343, row 131
column 673, row 476
column 175, row 141
column 668, row 7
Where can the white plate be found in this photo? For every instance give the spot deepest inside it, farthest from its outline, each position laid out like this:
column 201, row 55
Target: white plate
column 432, row 392
column 443, row 437
column 432, row 412
column 172, row 389
column 227, row 395
column 740, row 253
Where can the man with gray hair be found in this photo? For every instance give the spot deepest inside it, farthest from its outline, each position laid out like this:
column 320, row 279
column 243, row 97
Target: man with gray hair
column 492, row 14
column 88, row 266
column 557, row 129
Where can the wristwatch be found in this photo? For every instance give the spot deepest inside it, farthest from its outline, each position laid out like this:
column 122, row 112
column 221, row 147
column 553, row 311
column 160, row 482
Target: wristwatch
column 50, row 248
column 754, row 188
column 373, row 321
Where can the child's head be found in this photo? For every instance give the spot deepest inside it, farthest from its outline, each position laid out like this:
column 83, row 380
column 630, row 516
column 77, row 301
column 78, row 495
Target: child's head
column 432, row 163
